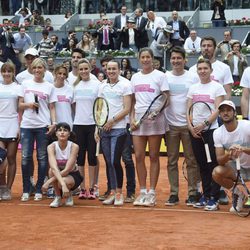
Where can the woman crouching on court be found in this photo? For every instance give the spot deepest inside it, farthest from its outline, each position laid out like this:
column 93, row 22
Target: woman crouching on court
column 38, row 121
column 64, row 174
column 118, row 95
column 9, row 129
column 146, row 85
column 212, row 93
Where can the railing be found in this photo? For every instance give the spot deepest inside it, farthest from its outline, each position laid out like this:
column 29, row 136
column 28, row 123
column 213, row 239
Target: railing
column 71, row 23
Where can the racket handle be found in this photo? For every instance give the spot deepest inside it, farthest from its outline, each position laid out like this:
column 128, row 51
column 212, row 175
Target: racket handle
column 97, row 152
column 238, row 163
column 207, row 153
column 136, row 124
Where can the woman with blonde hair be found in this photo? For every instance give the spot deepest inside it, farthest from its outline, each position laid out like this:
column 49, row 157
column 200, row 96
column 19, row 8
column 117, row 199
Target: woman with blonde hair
column 85, row 92
column 9, row 129
column 37, row 102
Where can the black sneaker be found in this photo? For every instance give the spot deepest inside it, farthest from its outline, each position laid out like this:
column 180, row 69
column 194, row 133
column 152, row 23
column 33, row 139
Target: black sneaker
column 191, row 200
column 223, row 200
column 173, row 200
column 104, row 196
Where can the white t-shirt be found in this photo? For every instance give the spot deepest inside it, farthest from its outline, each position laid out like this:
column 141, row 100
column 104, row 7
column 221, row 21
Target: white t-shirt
column 85, row 94
column 146, row 87
column 114, row 95
column 64, row 99
column 45, row 92
column 221, row 72
column 178, row 88
column 25, row 75
column 9, row 94
column 206, row 93
column 241, row 136
column 245, row 82
column 72, row 78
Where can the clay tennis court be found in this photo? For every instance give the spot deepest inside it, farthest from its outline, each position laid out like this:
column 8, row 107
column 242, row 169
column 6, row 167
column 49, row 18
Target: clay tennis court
column 90, row 225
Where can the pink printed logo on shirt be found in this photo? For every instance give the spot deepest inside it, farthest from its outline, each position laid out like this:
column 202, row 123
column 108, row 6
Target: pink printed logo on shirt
column 144, row 88
column 202, row 98
column 62, row 98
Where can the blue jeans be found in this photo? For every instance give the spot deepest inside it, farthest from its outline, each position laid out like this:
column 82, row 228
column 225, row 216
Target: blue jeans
column 28, row 137
column 112, row 143
column 129, row 164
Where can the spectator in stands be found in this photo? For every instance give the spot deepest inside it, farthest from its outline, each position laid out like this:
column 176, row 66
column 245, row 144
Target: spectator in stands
column 181, row 31
column 155, row 24
column 71, row 45
column 101, row 77
column 218, row 17
column 54, row 6
column 15, row 4
column 42, row 6
column 129, row 35
column 106, row 35
column 192, row 44
column 225, row 45
column 36, row 18
column 126, row 65
column 5, row 7
column 29, row 4
column 57, row 46
column 236, row 61
column 67, row 64
column 94, row 69
column 157, row 65
column 51, row 64
column 86, row 43
column 71, row 35
column 48, row 25
column 119, row 23
column 161, row 45
column 23, row 13
column 22, row 40
column 67, row 16
column 142, row 34
column 45, row 46
column 128, row 74
column 6, row 44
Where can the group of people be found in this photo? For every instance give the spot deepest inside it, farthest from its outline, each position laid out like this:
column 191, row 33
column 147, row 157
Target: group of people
column 38, row 106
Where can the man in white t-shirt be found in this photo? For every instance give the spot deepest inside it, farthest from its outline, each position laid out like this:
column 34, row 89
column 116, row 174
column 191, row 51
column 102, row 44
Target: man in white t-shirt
column 192, row 44
column 221, row 72
column 30, row 55
column 245, row 100
column 231, row 141
column 155, row 23
column 179, row 82
column 76, row 55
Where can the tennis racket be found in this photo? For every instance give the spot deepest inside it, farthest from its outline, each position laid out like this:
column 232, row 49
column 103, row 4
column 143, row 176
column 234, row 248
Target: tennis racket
column 154, row 109
column 101, row 114
column 36, row 101
column 199, row 112
column 240, row 194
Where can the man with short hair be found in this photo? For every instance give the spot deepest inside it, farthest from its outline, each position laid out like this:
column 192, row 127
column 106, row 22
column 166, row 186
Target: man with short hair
column 22, row 40
column 119, row 23
column 179, row 82
column 181, row 31
column 155, row 24
column 57, row 46
column 142, row 34
column 30, row 55
column 192, row 44
column 45, row 46
column 231, row 141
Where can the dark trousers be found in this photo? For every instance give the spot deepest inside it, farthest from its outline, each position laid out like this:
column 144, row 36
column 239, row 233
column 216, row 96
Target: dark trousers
column 9, row 53
column 209, row 186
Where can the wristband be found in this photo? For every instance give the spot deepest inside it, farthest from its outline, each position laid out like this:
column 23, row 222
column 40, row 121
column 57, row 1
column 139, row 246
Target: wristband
column 207, row 123
column 54, row 123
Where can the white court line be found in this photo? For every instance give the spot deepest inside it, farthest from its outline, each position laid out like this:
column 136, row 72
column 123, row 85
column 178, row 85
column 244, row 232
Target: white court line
column 124, row 208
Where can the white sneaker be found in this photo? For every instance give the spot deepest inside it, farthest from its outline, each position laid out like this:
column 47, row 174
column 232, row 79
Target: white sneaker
column 69, row 202
column 110, row 200
column 57, row 202
column 139, row 201
column 25, row 197
column 38, row 197
column 150, row 200
column 119, row 199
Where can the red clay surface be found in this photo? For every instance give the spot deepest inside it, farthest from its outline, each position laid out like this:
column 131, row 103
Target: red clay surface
column 90, row 225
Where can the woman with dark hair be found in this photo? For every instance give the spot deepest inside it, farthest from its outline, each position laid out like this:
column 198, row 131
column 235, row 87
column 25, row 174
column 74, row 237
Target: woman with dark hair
column 86, row 44
column 9, row 129
column 126, row 65
column 218, row 17
column 64, row 174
